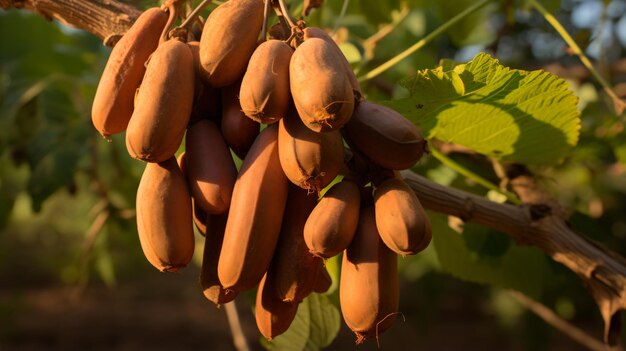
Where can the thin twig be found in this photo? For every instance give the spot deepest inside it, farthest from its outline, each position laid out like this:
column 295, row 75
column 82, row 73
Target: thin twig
column 618, row 103
column 194, row 14
column 473, row 176
column 370, row 43
column 420, row 44
column 239, row 338
column 286, row 14
column 342, row 14
column 575, row 333
column 266, row 15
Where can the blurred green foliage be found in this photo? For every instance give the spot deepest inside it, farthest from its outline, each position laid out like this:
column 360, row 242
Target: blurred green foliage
column 57, row 175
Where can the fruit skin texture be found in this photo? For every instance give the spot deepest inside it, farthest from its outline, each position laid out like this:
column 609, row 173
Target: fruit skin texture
column 368, row 288
column 255, row 216
column 294, row 269
column 310, row 160
column 264, row 94
column 206, row 100
column 164, row 104
column 332, row 223
column 211, row 286
column 273, row 316
column 385, row 136
column 320, row 88
column 230, row 36
column 164, row 216
column 210, row 168
column 199, row 216
column 400, row 218
column 315, row 32
column 238, row 130
column 113, row 102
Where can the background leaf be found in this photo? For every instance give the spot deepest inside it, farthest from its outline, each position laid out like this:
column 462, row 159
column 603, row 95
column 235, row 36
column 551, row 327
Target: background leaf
column 316, row 325
column 484, row 256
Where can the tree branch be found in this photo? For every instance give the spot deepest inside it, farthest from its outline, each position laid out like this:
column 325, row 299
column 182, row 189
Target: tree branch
column 539, row 223
column 107, row 19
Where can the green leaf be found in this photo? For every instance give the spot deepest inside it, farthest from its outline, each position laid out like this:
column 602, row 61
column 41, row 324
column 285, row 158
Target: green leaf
column 351, row 52
column 508, row 114
column 315, row 326
column 489, row 261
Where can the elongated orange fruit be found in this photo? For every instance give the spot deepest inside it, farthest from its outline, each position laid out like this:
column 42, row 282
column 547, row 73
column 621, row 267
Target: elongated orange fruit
column 332, row 223
column 238, row 130
column 206, row 99
column 368, row 286
column 255, row 216
column 199, row 216
column 230, row 35
column 315, row 32
column 310, row 160
column 273, row 316
column 385, row 136
column 164, row 216
column 320, row 88
column 295, row 269
column 164, row 104
column 264, row 94
column 113, row 102
column 400, row 217
column 210, row 168
column 211, row 286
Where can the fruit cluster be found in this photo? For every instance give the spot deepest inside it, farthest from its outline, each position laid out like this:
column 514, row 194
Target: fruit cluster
column 264, row 225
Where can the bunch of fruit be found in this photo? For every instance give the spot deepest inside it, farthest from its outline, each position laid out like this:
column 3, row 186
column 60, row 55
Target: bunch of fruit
column 264, row 225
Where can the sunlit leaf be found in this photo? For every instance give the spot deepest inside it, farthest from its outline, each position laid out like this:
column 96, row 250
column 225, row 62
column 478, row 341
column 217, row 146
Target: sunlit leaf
column 509, row 114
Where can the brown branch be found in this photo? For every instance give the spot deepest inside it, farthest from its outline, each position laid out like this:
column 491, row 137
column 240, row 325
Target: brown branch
column 538, row 224
column 561, row 324
column 107, row 19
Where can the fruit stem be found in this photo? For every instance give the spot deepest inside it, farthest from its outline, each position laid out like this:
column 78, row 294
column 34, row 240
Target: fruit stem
column 172, row 7
column 286, row 14
column 266, row 14
column 194, row 14
column 618, row 103
column 420, row 44
column 471, row 175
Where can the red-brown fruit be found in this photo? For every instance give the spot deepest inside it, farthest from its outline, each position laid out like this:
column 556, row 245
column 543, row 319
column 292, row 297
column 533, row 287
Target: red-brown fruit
column 273, row 316
column 385, row 136
column 320, row 87
column 210, row 168
column 400, row 217
column 164, row 216
column 368, row 286
column 211, row 286
column 294, row 269
column 255, row 216
column 264, row 94
column 113, row 102
column 230, row 36
column 238, row 130
column 331, row 226
column 310, row 160
column 164, row 104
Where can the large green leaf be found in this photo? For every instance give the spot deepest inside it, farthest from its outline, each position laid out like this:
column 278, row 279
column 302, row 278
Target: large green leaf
column 478, row 256
column 509, row 114
column 316, row 325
